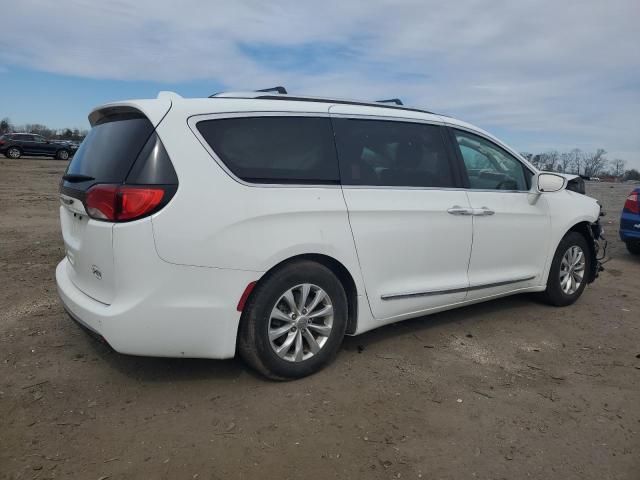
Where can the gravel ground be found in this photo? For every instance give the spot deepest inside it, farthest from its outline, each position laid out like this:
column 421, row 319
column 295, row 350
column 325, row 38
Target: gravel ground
column 508, row 389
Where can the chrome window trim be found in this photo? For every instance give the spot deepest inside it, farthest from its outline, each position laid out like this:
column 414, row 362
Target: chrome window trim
column 452, row 189
column 193, row 120
column 357, row 116
column 399, row 296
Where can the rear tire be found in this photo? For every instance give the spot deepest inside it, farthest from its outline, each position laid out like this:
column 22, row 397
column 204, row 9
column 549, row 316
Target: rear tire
column 569, row 271
column 633, row 247
column 269, row 324
column 62, row 155
column 14, row 153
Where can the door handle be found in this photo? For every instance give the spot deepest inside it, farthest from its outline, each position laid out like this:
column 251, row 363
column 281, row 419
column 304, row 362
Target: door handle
column 483, row 212
column 458, row 210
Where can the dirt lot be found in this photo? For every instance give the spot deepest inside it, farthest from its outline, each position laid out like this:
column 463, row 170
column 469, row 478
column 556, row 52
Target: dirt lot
column 509, row 389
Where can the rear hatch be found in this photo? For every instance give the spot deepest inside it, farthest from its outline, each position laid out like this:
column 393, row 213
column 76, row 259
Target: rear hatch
column 121, row 151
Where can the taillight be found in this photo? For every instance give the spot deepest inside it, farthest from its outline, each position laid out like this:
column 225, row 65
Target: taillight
column 632, row 203
column 120, row 203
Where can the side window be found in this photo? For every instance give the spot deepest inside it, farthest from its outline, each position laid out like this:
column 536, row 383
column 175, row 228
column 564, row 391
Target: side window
column 275, row 149
column 390, row 153
column 38, row 139
column 489, row 167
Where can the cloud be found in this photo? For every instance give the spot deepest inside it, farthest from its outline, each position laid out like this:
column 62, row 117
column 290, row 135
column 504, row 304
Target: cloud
column 537, row 69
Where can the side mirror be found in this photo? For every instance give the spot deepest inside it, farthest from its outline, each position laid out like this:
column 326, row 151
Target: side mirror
column 549, row 182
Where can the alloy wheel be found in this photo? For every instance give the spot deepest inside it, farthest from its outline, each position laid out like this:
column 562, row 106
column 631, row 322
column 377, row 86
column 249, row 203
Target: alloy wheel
column 572, row 269
column 300, row 323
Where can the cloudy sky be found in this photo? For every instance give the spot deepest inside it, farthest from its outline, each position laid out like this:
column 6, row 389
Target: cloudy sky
column 539, row 74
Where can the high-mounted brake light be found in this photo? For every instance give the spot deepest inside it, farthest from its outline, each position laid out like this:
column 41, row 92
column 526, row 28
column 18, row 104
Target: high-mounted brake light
column 632, row 203
column 119, row 203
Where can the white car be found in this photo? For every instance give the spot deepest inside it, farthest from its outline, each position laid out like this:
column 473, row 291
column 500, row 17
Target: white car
column 272, row 225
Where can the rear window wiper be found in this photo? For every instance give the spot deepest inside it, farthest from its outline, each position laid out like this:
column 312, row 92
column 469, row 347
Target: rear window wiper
column 76, row 177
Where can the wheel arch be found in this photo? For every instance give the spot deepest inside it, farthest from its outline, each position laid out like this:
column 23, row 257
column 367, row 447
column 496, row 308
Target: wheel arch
column 339, row 270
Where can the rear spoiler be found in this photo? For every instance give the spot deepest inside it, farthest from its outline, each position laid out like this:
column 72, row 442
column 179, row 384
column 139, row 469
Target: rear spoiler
column 155, row 109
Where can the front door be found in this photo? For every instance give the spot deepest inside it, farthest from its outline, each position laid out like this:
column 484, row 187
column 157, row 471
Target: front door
column 40, row 145
column 510, row 226
column 411, row 229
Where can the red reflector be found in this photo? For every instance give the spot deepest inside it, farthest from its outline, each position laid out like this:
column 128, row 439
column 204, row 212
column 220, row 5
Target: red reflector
column 118, row 203
column 632, row 203
column 245, row 296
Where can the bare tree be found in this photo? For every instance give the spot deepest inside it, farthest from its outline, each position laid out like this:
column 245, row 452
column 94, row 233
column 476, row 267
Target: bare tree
column 565, row 162
column 576, row 157
column 594, row 163
column 549, row 159
column 617, row 167
column 5, row 126
column 536, row 160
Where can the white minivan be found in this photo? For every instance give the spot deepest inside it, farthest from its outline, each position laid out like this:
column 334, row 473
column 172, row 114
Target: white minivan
column 272, row 225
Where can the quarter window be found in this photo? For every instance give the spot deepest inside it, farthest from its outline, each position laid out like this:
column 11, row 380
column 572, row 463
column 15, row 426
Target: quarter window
column 489, row 167
column 392, row 153
column 275, row 149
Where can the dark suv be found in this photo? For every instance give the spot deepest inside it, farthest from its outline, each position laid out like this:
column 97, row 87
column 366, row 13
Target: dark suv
column 14, row 145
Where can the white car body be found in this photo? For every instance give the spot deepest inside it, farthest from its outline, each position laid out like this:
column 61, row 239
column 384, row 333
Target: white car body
column 169, row 284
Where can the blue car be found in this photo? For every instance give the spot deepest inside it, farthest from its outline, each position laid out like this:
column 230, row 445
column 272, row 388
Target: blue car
column 630, row 222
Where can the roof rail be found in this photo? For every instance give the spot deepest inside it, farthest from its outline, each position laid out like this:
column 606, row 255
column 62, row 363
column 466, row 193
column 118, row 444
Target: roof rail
column 279, row 89
column 395, row 101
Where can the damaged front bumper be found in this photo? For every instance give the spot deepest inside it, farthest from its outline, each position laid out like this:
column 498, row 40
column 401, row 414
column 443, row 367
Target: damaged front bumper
column 599, row 251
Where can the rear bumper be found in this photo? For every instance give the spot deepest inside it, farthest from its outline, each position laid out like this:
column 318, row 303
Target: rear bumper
column 180, row 312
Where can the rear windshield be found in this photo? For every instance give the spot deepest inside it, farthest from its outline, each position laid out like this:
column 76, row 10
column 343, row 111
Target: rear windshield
column 275, row 149
column 110, row 149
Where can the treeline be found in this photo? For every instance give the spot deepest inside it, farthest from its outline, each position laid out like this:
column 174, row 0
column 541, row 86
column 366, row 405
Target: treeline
column 578, row 162
column 54, row 134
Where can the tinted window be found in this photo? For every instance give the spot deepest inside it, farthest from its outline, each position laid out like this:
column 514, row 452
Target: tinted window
column 489, row 167
column 376, row 152
column 275, row 149
column 109, row 150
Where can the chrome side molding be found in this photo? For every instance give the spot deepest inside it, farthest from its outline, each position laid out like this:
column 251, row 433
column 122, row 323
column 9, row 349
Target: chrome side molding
column 399, row 296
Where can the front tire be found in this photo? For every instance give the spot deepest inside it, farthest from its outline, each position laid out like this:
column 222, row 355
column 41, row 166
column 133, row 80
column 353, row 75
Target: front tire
column 633, row 247
column 294, row 322
column 62, row 155
column 569, row 271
